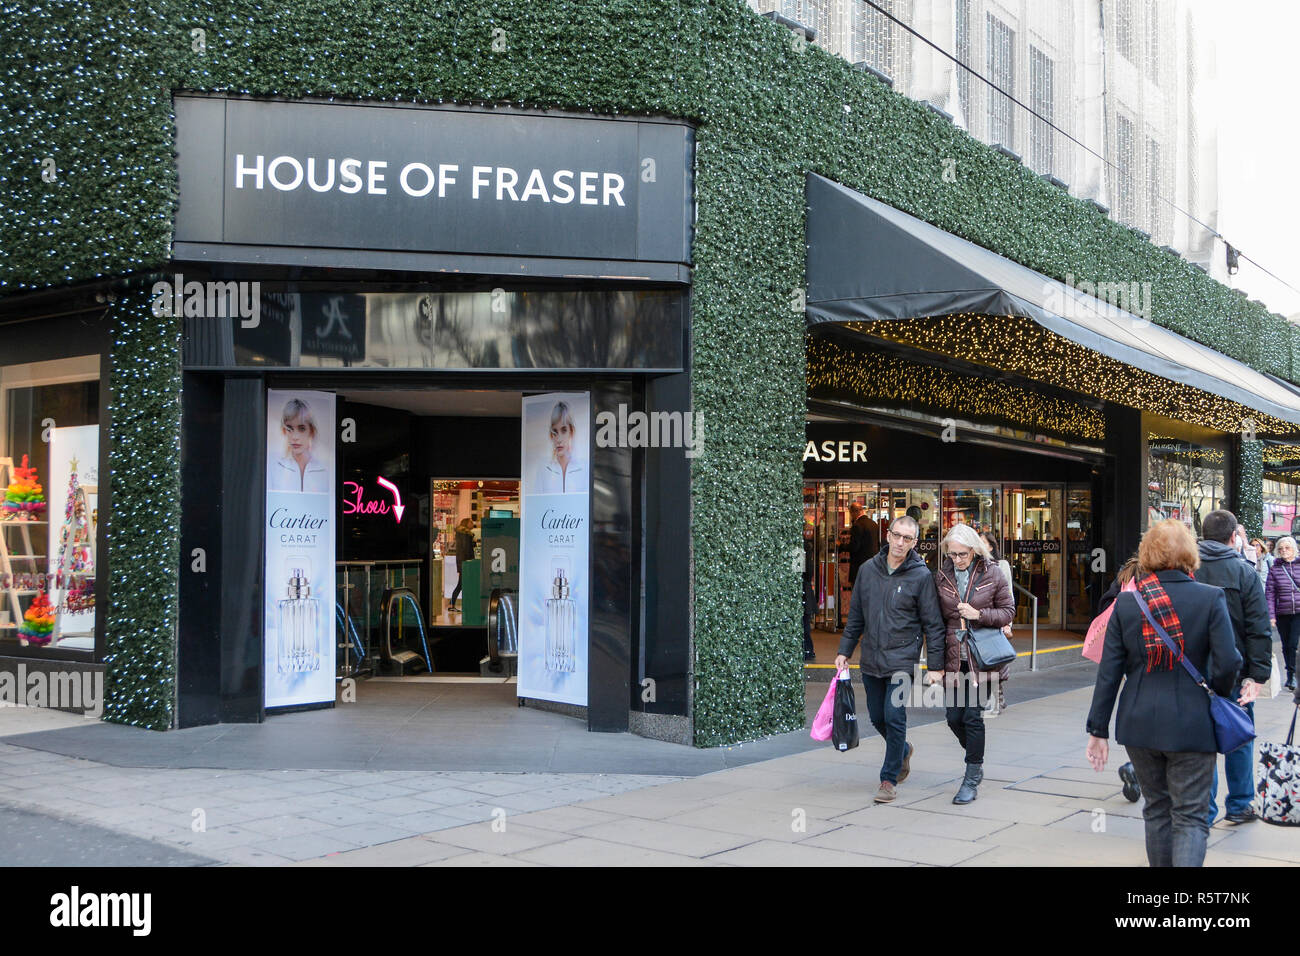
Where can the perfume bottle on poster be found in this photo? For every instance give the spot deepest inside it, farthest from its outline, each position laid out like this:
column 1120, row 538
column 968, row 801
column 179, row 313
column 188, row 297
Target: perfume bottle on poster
column 298, row 624
column 560, row 622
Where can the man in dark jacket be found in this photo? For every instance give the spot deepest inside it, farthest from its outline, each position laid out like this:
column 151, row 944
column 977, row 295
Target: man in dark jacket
column 862, row 540
column 1222, row 566
column 894, row 601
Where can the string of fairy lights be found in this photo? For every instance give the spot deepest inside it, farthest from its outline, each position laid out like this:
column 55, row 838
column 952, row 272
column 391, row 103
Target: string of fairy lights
column 872, row 377
column 1020, row 345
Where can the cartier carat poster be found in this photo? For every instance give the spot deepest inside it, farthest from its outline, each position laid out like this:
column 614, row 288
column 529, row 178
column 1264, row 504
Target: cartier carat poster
column 298, row 652
column 555, row 536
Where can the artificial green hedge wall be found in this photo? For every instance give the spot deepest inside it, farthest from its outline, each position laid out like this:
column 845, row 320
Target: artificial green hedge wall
column 144, row 520
column 87, row 84
column 1250, row 486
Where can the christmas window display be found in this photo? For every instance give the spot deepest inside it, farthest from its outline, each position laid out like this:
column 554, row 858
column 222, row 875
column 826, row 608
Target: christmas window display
column 74, row 456
column 22, row 574
column 49, row 483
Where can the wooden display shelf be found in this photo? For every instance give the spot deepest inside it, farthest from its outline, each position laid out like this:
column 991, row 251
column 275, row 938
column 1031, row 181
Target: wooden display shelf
column 21, row 551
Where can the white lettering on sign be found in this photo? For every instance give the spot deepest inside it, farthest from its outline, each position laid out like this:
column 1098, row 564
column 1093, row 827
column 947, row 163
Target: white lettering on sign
column 293, row 164
column 417, row 179
column 445, row 178
column 429, row 179
column 376, row 178
column 348, row 170
column 836, row 451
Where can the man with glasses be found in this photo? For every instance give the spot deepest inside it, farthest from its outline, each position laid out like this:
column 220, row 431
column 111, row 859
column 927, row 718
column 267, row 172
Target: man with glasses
column 894, row 602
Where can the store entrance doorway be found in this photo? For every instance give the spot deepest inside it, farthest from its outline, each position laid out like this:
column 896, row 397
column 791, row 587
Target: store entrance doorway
column 1044, row 531
column 428, row 593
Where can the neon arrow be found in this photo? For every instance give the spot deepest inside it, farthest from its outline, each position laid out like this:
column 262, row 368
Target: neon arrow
column 398, row 507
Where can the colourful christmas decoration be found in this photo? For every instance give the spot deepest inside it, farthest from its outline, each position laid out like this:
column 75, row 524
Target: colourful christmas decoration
column 80, row 597
column 24, row 498
column 75, row 559
column 38, row 623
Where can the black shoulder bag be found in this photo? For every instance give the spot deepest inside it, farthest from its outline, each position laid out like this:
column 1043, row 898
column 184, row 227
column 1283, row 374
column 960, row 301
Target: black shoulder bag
column 987, row 647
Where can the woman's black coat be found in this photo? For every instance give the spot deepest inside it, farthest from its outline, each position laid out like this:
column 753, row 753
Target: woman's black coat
column 1166, row 710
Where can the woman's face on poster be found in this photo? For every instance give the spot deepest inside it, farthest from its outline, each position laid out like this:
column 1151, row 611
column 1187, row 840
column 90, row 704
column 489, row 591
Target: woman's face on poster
column 298, row 435
column 562, row 441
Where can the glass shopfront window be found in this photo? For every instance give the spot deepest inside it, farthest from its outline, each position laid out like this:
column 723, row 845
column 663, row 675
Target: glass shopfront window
column 1032, row 530
column 1281, row 499
column 496, row 328
column 49, row 504
column 922, row 505
column 1044, row 531
column 1184, row 481
column 977, row 507
column 1079, row 558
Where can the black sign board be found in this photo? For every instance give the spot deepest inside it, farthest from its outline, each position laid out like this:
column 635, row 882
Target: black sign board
column 334, row 325
column 430, row 179
column 872, row 453
column 1036, row 545
column 273, row 334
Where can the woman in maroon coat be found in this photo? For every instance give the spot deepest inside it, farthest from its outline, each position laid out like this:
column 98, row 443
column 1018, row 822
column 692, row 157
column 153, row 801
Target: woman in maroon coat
column 973, row 592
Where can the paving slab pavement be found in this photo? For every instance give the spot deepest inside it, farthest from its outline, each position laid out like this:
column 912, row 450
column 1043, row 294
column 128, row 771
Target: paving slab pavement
column 1044, row 807
column 1040, row 805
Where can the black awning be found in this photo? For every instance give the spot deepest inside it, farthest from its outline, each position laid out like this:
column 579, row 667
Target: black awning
column 869, row 262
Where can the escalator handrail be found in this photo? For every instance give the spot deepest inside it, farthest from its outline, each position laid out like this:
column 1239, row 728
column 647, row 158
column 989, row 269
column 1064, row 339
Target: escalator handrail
column 392, row 595
column 494, row 652
column 350, row 630
column 496, row 617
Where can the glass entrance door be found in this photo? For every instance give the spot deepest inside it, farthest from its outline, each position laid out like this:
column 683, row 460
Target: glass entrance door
column 849, row 493
column 1033, row 529
column 978, row 507
column 1079, row 596
column 921, row 502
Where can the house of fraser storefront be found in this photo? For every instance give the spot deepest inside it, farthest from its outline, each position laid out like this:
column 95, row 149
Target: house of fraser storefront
column 431, row 313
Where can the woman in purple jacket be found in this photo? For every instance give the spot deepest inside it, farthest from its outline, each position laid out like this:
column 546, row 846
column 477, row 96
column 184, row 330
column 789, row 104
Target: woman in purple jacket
column 1282, row 591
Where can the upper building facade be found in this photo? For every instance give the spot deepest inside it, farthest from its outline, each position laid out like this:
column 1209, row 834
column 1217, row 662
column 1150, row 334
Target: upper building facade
column 1113, row 97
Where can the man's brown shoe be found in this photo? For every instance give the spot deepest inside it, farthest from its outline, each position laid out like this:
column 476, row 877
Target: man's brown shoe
column 907, row 763
column 886, row 793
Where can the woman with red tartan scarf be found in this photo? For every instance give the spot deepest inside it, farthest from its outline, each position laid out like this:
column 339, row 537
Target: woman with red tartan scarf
column 1164, row 717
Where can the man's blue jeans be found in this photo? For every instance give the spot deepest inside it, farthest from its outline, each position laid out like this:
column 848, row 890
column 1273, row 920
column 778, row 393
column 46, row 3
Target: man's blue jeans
column 890, row 720
column 1239, row 768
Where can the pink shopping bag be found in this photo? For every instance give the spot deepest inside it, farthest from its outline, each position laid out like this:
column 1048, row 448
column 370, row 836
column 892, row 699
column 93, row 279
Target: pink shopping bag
column 1096, row 639
column 822, row 723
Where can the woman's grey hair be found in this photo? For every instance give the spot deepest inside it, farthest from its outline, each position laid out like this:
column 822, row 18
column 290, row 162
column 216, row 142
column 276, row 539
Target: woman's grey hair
column 1285, row 540
column 966, row 536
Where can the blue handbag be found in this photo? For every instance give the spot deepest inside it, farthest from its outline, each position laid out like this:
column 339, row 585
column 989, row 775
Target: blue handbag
column 1233, row 726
